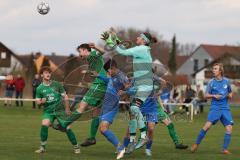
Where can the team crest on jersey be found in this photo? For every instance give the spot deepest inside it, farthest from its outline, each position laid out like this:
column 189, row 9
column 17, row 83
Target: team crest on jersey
column 225, row 86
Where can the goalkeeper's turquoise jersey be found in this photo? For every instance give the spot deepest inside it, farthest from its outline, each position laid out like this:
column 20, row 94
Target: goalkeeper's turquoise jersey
column 142, row 69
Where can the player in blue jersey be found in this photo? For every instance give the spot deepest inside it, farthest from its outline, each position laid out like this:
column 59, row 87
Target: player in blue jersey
column 219, row 91
column 153, row 113
column 110, row 105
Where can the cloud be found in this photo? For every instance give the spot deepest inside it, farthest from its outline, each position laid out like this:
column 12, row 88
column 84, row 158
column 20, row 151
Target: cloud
column 75, row 21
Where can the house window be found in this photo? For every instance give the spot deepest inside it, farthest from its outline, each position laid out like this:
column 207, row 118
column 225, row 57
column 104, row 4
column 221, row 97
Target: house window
column 206, row 61
column 3, row 55
column 195, row 65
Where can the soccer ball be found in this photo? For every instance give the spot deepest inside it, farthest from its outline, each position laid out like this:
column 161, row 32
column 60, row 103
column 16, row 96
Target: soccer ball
column 43, row 8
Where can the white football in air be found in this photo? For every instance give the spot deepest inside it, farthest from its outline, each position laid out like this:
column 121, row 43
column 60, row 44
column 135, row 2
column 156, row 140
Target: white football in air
column 43, row 8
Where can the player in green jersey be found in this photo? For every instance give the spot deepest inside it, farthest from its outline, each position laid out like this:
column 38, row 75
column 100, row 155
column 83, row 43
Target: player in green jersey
column 51, row 94
column 95, row 95
column 164, row 118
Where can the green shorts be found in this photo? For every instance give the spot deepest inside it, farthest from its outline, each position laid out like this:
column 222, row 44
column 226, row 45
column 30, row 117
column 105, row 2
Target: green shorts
column 52, row 117
column 95, row 95
column 49, row 115
column 162, row 115
column 54, row 111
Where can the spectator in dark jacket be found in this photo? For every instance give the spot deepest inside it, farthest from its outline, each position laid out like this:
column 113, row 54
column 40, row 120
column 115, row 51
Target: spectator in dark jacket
column 10, row 85
column 35, row 83
column 20, row 84
column 189, row 95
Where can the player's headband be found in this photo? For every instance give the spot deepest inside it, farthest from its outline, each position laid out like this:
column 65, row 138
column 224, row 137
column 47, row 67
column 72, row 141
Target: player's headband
column 145, row 38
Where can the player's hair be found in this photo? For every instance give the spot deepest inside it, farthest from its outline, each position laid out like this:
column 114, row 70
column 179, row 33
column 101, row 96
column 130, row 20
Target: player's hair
column 151, row 38
column 110, row 63
column 45, row 68
column 84, row 46
column 220, row 67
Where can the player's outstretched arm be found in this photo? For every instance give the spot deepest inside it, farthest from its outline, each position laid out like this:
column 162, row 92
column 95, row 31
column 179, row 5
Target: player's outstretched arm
column 103, row 78
column 99, row 49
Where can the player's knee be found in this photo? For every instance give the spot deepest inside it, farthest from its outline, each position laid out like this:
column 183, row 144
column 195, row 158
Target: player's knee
column 167, row 122
column 150, row 129
column 46, row 122
column 68, row 127
column 207, row 126
column 103, row 128
column 229, row 129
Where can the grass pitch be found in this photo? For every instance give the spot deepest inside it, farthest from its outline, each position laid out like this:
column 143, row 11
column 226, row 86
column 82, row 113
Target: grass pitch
column 20, row 126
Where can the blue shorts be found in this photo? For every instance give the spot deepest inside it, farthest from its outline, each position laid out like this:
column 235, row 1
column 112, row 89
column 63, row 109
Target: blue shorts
column 109, row 116
column 151, row 117
column 224, row 116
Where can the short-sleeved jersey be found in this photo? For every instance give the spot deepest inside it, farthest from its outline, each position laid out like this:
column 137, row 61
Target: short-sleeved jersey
column 53, row 94
column 95, row 62
column 114, row 84
column 165, row 95
column 220, row 87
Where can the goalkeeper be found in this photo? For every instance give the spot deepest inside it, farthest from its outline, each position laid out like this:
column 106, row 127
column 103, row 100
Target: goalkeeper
column 142, row 74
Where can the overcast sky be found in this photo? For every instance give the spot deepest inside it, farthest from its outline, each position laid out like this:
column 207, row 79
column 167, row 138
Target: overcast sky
column 71, row 22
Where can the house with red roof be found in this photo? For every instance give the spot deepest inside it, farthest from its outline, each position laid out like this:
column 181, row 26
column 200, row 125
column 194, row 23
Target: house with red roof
column 9, row 61
column 198, row 65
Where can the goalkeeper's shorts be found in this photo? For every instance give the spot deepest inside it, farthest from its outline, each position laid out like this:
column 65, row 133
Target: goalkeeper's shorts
column 95, row 95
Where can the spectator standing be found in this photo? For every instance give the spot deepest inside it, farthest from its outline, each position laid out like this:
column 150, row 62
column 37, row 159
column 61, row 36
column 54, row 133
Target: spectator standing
column 10, row 86
column 19, row 86
column 175, row 96
column 35, row 83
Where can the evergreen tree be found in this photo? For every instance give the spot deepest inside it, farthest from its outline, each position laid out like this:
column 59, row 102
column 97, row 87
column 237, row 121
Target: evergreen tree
column 172, row 65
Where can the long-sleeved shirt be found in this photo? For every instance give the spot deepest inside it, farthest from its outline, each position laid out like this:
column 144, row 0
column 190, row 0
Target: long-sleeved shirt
column 142, row 69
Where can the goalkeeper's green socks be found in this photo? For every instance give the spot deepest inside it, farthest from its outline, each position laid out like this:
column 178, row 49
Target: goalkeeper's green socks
column 44, row 135
column 71, row 137
column 140, row 120
column 172, row 133
column 94, row 127
column 132, row 129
